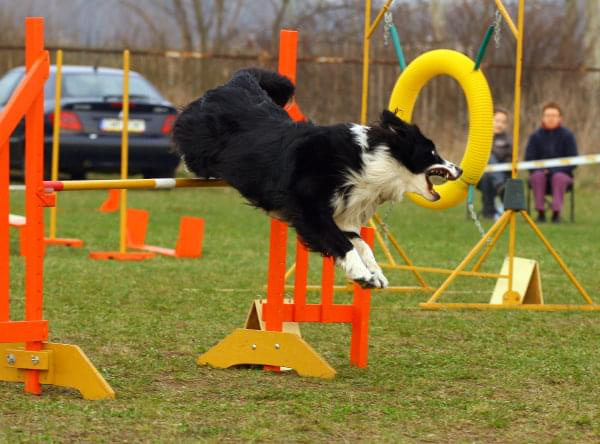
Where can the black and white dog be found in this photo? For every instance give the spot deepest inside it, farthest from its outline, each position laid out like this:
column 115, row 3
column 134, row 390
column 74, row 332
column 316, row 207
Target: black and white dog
column 325, row 181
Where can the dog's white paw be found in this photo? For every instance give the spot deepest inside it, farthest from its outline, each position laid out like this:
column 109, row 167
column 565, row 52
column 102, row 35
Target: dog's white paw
column 381, row 279
column 367, row 257
column 354, row 267
column 372, row 282
column 356, row 270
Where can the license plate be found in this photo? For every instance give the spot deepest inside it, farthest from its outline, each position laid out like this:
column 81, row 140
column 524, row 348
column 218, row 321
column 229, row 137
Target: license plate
column 116, row 125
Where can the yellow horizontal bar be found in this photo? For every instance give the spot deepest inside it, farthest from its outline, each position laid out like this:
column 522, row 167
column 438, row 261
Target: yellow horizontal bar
column 27, row 359
column 444, row 271
column 523, row 307
column 507, row 18
column 350, row 287
column 375, row 24
column 128, row 184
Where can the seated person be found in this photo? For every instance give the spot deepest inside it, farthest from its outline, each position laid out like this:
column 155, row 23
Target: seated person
column 550, row 141
column 492, row 184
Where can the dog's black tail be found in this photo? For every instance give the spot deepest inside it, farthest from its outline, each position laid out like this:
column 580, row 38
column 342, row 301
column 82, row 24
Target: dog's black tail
column 278, row 87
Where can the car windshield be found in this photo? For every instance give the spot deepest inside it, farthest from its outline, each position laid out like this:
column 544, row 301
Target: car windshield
column 8, row 83
column 107, row 85
column 96, row 84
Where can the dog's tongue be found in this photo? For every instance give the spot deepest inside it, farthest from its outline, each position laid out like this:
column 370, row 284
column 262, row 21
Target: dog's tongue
column 434, row 193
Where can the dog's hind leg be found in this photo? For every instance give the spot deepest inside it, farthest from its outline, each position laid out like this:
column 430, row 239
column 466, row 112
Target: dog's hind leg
column 321, row 234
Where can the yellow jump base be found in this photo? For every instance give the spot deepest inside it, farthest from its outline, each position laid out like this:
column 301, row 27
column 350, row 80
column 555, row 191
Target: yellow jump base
column 271, row 348
column 64, row 365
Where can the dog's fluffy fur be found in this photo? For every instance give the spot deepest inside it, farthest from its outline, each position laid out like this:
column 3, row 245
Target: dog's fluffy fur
column 325, row 181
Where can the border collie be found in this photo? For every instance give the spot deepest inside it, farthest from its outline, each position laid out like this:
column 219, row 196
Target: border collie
column 325, row 181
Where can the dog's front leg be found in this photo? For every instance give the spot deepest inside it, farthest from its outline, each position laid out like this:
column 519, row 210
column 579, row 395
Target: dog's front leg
column 366, row 254
column 367, row 257
column 356, row 269
column 320, row 233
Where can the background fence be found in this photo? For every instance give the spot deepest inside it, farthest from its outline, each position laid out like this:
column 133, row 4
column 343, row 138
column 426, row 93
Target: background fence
column 329, row 89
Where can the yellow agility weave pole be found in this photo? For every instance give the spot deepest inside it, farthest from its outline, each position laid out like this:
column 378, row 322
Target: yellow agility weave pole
column 122, row 253
column 124, row 154
column 56, row 135
column 52, row 239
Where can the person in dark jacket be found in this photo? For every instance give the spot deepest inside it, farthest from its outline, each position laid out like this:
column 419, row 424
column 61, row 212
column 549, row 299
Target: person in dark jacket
column 550, row 141
column 492, row 184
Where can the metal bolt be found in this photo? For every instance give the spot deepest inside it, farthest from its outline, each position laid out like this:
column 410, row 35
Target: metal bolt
column 253, row 346
column 276, row 346
column 35, row 360
column 11, row 359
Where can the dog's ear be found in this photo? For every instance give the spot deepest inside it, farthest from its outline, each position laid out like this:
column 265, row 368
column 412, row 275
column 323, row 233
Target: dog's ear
column 389, row 120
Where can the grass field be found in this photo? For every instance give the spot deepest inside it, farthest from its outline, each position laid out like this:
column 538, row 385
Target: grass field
column 450, row 376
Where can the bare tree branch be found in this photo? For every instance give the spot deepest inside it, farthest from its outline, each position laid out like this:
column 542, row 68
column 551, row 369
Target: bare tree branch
column 184, row 25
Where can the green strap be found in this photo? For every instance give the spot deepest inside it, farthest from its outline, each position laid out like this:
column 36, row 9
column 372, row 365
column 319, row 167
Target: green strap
column 483, row 47
column 398, row 47
column 470, row 194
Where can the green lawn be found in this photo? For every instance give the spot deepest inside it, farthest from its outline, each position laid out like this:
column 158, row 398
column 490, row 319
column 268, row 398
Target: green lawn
column 448, row 376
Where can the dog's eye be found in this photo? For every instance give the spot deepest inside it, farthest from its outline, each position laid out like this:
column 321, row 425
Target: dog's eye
column 433, row 152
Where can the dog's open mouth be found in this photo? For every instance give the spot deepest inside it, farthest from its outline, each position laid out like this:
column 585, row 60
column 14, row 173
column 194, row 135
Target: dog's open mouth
column 438, row 175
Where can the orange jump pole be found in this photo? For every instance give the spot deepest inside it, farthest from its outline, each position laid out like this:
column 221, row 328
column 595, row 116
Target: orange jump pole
column 288, row 50
column 276, row 311
column 34, row 198
column 24, row 354
column 272, row 347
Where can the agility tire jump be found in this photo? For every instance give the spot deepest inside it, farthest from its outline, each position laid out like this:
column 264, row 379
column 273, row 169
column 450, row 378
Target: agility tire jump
column 480, row 107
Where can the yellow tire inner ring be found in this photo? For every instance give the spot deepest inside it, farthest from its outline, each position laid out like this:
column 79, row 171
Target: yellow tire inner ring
column 480, row 107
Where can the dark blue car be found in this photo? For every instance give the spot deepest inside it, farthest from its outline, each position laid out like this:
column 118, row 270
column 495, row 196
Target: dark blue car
column 90, row 123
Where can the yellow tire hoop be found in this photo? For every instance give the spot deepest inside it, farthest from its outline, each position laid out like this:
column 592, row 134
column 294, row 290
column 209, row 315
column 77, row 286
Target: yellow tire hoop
column 479, row 103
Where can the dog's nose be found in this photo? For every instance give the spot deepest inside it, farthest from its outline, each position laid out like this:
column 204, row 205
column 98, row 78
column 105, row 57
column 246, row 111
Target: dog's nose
column 459, row 171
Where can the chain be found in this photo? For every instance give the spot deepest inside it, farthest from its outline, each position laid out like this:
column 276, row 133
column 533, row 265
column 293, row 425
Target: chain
column 473, row 214
column 384, row 226
column 497, row 21
column 477, row 223
column 388, row 211
column 387, row 24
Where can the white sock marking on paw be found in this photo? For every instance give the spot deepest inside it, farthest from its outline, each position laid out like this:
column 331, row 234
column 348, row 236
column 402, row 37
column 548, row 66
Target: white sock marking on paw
column 354, row 267
column 366, row 254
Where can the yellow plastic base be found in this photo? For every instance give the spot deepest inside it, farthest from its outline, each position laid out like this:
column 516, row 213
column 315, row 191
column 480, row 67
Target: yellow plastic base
column 276, row 349
column 63, row 365
column 526, row 285
column 523, row 307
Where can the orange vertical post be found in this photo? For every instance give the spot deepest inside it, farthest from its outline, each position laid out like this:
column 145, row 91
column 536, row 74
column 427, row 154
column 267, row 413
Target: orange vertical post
column 301, row 279
column 4, row 232
column 288, row 41
column 276, row 277
column 34, row 163
column 288, row 50
column 359, row 344
column 327, row 277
